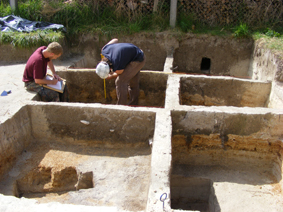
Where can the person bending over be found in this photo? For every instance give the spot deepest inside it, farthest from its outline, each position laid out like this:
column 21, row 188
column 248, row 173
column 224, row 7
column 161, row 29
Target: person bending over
column 122, row 61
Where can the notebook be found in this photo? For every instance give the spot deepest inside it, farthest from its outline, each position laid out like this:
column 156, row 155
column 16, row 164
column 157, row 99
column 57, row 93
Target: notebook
column 59, row 87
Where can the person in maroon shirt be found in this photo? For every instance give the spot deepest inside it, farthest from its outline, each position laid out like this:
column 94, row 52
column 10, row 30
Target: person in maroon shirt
column 36, row 69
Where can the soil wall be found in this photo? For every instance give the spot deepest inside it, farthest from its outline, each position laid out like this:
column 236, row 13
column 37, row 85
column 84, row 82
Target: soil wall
column 227, row 56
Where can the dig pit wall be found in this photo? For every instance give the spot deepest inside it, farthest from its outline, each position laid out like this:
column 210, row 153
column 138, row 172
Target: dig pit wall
column 267, row 66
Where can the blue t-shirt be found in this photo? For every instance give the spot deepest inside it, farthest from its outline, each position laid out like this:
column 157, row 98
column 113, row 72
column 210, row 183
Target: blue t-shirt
column 121, row 54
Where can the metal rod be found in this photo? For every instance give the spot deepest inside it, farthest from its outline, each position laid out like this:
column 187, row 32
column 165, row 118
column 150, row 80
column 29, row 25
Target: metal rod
column 104, row 89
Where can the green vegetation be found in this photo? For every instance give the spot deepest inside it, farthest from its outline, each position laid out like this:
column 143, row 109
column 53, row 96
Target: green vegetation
column 80, row 16
column 242, row 31
column 272, row 40
column 4, row 9
column 27, row 40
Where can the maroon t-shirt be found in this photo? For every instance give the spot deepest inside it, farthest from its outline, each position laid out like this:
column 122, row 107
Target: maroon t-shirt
column 36, row 66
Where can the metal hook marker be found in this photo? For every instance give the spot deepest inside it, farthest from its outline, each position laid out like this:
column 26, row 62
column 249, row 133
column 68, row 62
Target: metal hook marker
column 162, row 199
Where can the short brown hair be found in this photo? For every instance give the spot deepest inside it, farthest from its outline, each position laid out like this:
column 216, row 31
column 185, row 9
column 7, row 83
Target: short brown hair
column 55, row 48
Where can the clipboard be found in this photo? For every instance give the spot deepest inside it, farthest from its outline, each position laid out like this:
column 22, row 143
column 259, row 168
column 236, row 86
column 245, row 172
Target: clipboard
column 59, row 87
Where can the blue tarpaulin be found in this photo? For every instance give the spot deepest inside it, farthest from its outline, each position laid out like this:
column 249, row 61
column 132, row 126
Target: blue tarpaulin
column 15, row 23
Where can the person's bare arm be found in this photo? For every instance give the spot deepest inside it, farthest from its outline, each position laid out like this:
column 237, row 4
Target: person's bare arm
column 51, row 66
column 115, row 74
column 114, row 40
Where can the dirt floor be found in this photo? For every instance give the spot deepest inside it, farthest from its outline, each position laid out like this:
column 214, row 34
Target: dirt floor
column 120, row 176
column 241, row 187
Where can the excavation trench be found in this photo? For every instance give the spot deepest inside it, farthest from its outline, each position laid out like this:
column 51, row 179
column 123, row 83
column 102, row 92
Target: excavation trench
column 94, row 154
column 89, row 154
column 85, row 86
column 206, row 133
column 216, row 91
column 82, row 155
column 222, row 162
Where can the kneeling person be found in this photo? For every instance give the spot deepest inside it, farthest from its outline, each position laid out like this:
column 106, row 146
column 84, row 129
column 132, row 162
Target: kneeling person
column 36, row 69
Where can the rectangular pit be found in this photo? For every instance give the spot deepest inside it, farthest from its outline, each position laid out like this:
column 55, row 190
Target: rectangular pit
column 239, row 153
column 83, row 155
column 223, row 91
column 214, row 55
column 86, row 87
column 193, row 194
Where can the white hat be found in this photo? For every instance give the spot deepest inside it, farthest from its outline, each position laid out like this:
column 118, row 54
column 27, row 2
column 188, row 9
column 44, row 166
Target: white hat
column 102, row 69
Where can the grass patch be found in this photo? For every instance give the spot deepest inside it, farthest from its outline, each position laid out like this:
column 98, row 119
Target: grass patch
column 274, row 43
column 4, row 9
column 28, row 40
column 242, row 31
